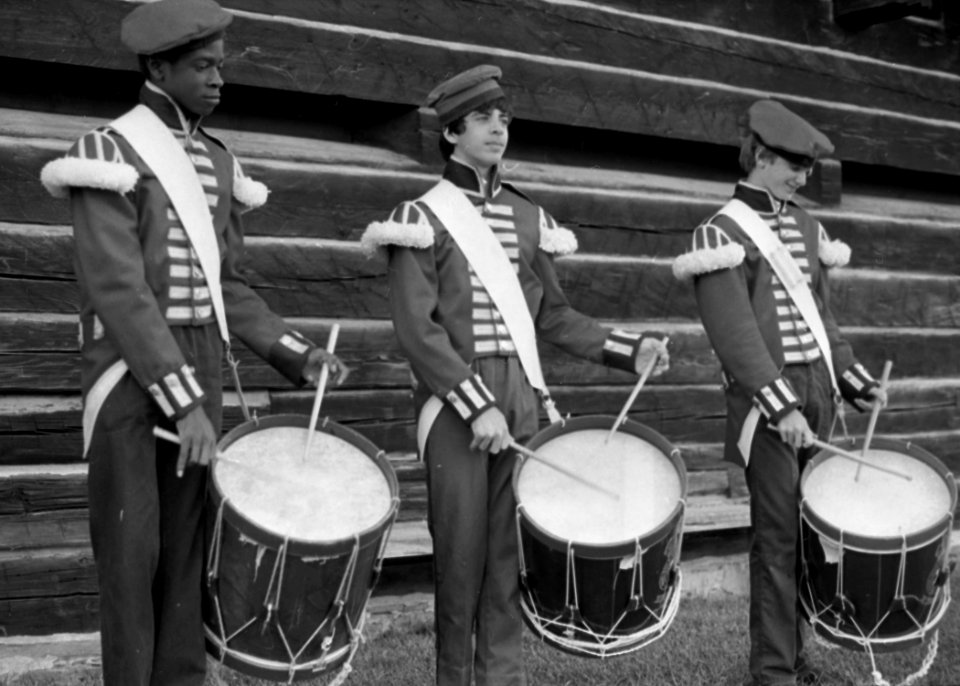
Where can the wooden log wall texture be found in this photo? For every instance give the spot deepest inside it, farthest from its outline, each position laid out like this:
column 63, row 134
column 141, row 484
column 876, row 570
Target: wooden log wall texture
column 907, row 117
column 601, row 72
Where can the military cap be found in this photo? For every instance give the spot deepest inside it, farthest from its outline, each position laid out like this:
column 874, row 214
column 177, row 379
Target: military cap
column 156, row 27
column 465, row 92
column 786, row 133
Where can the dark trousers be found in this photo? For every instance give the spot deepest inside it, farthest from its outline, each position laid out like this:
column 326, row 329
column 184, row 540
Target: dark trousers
column 773, row 478
column 472, row 517
column 146, row 530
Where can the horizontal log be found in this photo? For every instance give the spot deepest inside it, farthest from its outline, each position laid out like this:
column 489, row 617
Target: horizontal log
column 395, row 68
column 62, row 571
column 919, row 44
column 571, row 30
column 48, row 591
column 55, row 529
column 617, row 37
column 78, row 613
column 48, row 488
column 303, row 277
column 795, row 21
column 921, row 301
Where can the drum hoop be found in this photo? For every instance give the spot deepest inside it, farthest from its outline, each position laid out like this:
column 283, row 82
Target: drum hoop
column 882, row 544
column 296, row 546
column 603, row 551
column 251, row 660
column 612, row 645
column 942, row 596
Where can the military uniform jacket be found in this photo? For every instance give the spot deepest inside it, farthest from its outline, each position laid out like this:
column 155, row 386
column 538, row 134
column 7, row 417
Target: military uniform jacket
column 735, row 296
column 135, row 269
column 431, row 294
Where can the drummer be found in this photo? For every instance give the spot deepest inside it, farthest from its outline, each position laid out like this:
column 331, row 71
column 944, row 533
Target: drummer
column 472, row 288
column 158, row 288
column 784, row 362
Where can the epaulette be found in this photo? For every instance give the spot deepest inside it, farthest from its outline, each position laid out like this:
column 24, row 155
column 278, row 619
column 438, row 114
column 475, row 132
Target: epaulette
column 246, row 191
column 249, row 193
column 713, row 251
column 94, row 161
column 554, row 239
column 832, row 253
column 407, row 226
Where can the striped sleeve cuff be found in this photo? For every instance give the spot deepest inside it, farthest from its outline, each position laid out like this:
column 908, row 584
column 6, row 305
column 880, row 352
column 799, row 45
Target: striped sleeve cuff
column 621, row 348
column 289, row 355
column 856, row 382
column 177, row 393
column 776, row 400
column 470, row 398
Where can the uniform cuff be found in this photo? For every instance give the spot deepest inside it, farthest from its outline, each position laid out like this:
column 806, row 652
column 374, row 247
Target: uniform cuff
column 856, row 382
column 621, row 349
column 470, row 398
column 177, row 393
column 776, row 400
column 289, row 356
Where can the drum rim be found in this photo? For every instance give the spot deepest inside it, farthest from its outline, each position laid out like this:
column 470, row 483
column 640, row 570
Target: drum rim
column 882, row 544
column 891, row 642
column 253, row 665
column 614, row 548
column 299, row 546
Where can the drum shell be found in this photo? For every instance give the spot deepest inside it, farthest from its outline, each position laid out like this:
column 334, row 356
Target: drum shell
column 871, row 569
column 311, row 574
column 604, row 582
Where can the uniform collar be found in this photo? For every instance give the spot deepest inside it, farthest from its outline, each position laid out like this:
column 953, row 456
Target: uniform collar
column 468, row 179
column 759, row 199
column 167, row 109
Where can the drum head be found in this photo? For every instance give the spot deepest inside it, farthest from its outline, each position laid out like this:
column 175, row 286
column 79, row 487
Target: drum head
column 875, row 504
column 645, row 478
column 333, row 493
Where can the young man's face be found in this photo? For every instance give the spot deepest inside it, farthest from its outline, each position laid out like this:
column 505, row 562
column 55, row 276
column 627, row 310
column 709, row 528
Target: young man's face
column 193, row 80
column 779, row 176
column 484, row 138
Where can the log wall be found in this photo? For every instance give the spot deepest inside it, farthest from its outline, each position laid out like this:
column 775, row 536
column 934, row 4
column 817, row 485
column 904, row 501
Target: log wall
column 626, row 130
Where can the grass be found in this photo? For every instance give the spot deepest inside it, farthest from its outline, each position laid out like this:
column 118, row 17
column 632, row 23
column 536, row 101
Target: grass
column 706, row 646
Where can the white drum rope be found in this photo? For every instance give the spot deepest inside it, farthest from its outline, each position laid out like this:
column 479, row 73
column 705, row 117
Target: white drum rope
column 925, row 666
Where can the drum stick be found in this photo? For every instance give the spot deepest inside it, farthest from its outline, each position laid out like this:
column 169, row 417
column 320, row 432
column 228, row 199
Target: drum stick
column 856, row 458
column 887, row 366
column 321, row 385
column 174, row 438
column 563, row 470
column 633, row 394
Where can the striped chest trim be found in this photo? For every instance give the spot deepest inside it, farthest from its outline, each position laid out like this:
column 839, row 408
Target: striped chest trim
column 189, row 294
column 799, row 345
column 490, row 334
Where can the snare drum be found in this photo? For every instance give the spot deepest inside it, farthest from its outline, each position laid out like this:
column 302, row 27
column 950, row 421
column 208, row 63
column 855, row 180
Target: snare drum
column 874, row 548
column 600, row 576
column 294, row 546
